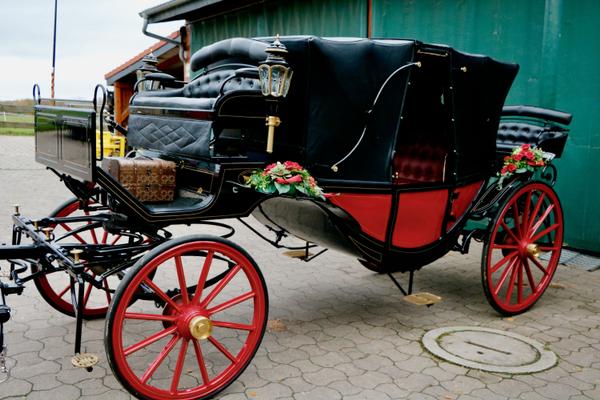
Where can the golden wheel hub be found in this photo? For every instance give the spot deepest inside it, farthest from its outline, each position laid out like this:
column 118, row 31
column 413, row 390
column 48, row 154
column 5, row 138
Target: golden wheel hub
column 533, row 250
column 200, row 327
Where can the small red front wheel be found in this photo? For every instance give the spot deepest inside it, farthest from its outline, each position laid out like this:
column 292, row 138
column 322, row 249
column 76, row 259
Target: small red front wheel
column 199, row 318
column 523, row 248
column 55, row 287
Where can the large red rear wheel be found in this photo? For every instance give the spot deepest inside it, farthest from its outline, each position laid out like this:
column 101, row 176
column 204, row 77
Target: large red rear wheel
column 523, row 249
column 55, row 287
column 202, row 322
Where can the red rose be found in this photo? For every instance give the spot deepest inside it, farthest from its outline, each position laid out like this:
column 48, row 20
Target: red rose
column 540, row 163
column 506, row 158
column 526, row 146
column 518, row 157
column 528, row 155
column 270, row 167
column 292, row 165
column 294, row 179
column 504, row 170
column 288, row 181
column 511, row 167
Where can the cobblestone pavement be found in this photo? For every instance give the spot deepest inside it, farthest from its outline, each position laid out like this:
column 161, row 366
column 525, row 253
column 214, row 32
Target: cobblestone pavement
column 348, row 333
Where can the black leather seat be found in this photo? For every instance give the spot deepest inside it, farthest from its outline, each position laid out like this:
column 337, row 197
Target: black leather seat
column 161, row 120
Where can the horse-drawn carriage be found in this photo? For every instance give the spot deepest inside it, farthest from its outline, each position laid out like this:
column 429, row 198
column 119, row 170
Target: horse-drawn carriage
column 405, row 139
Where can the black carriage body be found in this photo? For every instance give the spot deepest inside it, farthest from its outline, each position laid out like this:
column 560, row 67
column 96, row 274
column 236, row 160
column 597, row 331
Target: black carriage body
column 413, row 163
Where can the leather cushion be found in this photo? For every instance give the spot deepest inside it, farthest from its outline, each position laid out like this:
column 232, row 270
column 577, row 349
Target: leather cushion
column 512, row 134
column 200, row 94
column 178, row 136
column 419, row 162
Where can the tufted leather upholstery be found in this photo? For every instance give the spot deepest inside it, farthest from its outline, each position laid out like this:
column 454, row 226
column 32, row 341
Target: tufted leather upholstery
column 199, row 94
column 419, row 163
column 512, row 134
column 177, row 136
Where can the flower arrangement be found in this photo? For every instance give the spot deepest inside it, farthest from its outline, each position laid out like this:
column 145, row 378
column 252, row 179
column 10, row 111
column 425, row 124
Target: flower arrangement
column 524, row 158
column 285, row 178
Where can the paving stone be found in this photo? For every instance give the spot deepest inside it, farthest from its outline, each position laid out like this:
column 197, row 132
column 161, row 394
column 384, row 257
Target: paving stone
column 270, row 391
column 509, row 388
column 320, row 393
column 324, row 376
column 368, row 395
column 557, row 391
column 64, row 392
column 349, row 334
column 462, row 385
column 369, row 379
column 15, row 387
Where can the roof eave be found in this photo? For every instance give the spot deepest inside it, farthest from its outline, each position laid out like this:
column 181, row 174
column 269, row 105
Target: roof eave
column 176, row 9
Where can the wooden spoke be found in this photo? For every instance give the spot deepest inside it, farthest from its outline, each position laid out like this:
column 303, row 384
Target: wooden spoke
column 541, row 219
column 202, row 279
column 231, row 303
column 529, row 276
column 504, row 276
column 151, row 317
column 159, row 359
column 76, row 236
column 499, row 264
column 222, row 349
column 544, row 232
column 181, row 278
column 509, row 231
column 179, row 366
column 536, row 210
column 149, row 340
column 538, row 264
column 222, row 283
column 161, row 294
column 511, row 282
column 233, row 325
column 201, row 364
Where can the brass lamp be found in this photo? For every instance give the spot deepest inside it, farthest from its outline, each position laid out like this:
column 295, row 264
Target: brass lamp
column 149, row 63
column 275, row 76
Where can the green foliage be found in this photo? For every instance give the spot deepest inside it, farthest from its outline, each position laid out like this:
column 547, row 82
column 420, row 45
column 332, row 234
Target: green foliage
column 287, row 178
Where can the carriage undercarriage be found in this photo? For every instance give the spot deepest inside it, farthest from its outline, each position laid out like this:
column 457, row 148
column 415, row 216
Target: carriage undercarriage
column 200, row 302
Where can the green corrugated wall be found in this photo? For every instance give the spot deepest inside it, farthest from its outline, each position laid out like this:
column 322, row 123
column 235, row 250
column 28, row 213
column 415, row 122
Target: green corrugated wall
column 556, row 42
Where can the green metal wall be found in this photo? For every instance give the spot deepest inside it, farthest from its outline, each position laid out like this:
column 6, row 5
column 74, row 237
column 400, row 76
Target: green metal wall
column 554, row 41
column 556, row 45
column 290, row 17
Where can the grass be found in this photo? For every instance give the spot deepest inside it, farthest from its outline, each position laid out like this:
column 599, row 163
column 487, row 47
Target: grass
column 9, row 117
column 17, row 131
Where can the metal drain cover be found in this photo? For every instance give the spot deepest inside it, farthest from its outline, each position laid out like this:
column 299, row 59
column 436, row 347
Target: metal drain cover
column 489, row 349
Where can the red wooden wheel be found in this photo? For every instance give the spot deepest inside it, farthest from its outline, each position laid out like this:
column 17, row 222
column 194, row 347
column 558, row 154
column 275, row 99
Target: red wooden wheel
column 523, row 248
column 55, row 287
column 205, row 319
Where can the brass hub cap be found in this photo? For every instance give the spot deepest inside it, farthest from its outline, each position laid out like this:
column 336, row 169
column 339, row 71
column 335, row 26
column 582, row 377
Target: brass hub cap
column 200, row 327
column 533, row 250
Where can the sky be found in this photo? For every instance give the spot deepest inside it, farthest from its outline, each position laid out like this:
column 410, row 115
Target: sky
column 93, row 37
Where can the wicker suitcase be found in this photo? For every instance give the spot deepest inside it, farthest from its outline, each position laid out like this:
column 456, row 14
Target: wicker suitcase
column 150, row 180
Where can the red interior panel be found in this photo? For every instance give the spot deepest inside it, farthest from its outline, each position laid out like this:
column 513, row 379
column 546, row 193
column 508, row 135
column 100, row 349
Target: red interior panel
column 466, row 194
column 372, row 211
column 419, row 219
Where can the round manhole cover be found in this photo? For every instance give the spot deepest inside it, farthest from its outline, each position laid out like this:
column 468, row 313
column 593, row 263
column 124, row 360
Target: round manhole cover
column 489, row 349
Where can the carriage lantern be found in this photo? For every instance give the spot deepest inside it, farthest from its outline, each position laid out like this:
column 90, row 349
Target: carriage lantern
column 149, row 63
column 275, row 76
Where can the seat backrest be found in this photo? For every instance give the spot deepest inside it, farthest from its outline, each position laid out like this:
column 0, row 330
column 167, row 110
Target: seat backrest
column 419, row 163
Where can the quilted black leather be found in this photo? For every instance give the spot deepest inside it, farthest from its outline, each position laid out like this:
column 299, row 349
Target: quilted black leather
column 236, row 48
column 177, row 136
column 512, row 134
column 200, row 94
